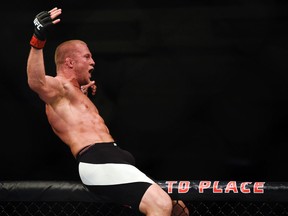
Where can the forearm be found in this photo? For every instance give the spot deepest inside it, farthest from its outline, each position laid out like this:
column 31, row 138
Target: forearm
column 35, row 69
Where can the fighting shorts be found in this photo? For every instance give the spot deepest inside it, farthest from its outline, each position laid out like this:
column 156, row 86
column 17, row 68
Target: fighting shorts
column 110, row 172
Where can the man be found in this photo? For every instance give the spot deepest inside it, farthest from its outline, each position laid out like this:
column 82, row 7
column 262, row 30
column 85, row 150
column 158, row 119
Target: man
column 104, row 167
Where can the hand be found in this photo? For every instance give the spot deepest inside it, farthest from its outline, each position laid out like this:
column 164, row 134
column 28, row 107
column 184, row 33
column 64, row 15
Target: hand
column 44, row 20
column 84, row 88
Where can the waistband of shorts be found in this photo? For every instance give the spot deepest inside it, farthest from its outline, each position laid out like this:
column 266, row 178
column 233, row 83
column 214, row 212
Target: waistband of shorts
column 83, row 150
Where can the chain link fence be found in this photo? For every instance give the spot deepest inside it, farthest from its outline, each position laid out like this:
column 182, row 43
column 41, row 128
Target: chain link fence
column 71, row 198
column 104, row 209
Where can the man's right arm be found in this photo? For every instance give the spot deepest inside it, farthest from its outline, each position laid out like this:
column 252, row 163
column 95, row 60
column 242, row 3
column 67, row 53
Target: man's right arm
column 35, row 69
column 35, row 64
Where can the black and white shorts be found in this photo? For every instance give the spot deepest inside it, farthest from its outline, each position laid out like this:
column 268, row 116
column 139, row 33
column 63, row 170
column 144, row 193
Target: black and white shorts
column 110, row 172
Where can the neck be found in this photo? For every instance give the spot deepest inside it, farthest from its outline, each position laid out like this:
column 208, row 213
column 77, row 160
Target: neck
column 75, row 83
column 68, row 75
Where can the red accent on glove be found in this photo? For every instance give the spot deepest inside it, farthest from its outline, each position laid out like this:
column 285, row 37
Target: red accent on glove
column 36, row 43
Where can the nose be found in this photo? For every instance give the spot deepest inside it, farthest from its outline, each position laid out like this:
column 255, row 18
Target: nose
column 93, row 62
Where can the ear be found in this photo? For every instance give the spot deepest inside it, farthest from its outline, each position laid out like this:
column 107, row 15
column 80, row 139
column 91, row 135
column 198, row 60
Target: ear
column 69, row 62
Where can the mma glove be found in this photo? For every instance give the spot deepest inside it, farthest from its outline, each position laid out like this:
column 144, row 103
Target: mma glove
column 41, row 22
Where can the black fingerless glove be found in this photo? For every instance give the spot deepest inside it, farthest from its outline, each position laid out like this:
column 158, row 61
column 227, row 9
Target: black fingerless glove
column 41, row 22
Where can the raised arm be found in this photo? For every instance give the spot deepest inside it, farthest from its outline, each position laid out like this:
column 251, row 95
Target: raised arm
column 37, row 79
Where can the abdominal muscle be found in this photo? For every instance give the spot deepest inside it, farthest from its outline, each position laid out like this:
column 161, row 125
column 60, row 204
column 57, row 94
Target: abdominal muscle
column 78, row 125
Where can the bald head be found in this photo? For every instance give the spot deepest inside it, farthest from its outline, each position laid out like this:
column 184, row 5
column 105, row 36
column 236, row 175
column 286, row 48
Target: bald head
column 67, row 49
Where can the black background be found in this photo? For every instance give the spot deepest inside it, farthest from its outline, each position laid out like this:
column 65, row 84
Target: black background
column 194, row 89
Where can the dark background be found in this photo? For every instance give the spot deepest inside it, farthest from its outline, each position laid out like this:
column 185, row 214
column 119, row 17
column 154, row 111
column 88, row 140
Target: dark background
column 195, row 90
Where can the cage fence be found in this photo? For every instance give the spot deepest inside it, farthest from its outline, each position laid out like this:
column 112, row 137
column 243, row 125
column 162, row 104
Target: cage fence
column 201, row 198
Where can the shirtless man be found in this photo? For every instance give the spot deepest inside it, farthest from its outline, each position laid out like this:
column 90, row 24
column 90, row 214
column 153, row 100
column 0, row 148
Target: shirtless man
column 104, row 167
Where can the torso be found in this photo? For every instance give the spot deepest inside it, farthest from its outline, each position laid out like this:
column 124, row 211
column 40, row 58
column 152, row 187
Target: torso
column 76, row 120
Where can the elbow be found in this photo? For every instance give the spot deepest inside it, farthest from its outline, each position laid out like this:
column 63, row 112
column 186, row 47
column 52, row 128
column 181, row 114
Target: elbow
column 34, row 85
column 31, row 84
